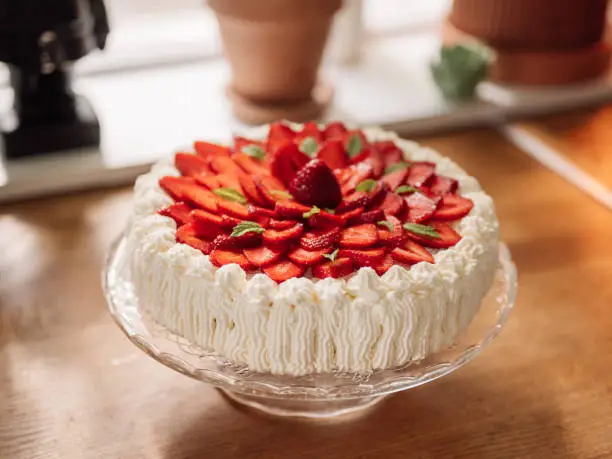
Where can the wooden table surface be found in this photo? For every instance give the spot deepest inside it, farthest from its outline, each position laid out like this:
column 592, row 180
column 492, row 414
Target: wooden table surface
column 72, row 386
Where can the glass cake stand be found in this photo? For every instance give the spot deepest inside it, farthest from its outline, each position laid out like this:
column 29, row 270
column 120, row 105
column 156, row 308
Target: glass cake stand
column 316, row 395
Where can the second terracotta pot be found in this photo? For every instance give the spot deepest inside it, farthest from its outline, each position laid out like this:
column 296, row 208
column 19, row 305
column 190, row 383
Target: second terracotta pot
column 274, row 47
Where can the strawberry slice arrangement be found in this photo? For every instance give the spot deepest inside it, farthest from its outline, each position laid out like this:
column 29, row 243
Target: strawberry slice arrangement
column 320, row 199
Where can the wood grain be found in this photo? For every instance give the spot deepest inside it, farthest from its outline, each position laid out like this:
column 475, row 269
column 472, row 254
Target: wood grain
column 72, row 386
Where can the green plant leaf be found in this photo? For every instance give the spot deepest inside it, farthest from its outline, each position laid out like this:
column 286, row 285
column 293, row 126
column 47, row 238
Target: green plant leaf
column 385, row 223
column 422, row 230
column 405, row 189
column 245, row 227
column 311, row 212
column 329, row 210
column 309, row 146
column 366, row 186
column 331, row 256
column 354, row 146
column 397, row 167
column 281, row 194
column 230, row 194
column 254, row 151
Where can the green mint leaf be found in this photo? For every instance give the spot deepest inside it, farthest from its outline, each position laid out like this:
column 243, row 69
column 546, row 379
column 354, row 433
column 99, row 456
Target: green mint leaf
column 254, row 151
column 331, row 256
column 281, row 194
column 396, row 167
column 309, row 146
column 311, row 212
column 385, row 223
column 354, row 146
column 243, row 228
column 230, row 194
column 405, row 189
column 422, row 230
column 366, row 186
column 329, row 211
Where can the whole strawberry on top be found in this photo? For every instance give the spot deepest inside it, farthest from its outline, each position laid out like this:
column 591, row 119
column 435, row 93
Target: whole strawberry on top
column 321, row 200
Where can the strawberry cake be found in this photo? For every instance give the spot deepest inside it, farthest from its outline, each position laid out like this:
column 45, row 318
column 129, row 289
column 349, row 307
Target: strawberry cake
column 312, row 248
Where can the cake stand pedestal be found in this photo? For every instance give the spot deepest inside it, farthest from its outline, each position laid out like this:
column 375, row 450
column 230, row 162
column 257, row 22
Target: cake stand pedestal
column 319, row 395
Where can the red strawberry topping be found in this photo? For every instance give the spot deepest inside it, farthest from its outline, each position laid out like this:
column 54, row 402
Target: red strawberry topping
column 263, row 255
column 266, row 205
column 333, row 154
column 338, row 268
column 360, row 236
column 178, row 211
column 315, row 185
column 453, row 208
column 420, row 207
column 283, row 270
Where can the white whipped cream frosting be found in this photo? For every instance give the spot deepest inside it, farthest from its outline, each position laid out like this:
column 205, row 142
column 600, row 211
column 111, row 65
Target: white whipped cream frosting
column 357, row 324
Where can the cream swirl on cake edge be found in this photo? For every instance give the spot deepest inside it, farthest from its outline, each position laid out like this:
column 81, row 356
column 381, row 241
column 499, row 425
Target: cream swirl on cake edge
column 357, row 324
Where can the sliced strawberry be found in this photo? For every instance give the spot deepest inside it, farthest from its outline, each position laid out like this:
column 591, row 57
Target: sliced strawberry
column 201, row 197
column 267, row 198
column 229, row 181
column 228, row 223
column 353, row 201
column 338, row 268
column 440, row 185
column 365, row 154
column 316, row 185
column 207, row 149
column 360, row 236
column 187, row 234
column 291, row 209
column 378, row 193
column 362, row 258
column 206, row 224
column 250, row 190
column 359, row 173
column 392, row 154
column 395, row 179
column 375, row 159
column 250, row 165
column 221, row 257
column 283, row 270
column 209, row 181
column 286, row 161
column 325, row 219
column 190, row 165
column 178, row 211
column 241, row 142
column 392, row 204
column 224, row 165
column 309, row 129
column 395, row 236
column 411, row 253
column 176, row 186
column 453, row 207
column 419, row 173
column 263, row 256
column 333, row 154
column 448, row 236
column 247, row 240
column 348, row 215
column 307, row 257
column 343, row 175
column 319, row 239
column 233, row 209
column 384, row 265
column 334, row 130
column 257, row 212
column 279, row 132
column 349, row 134
column 420, row 207
column 371, row 216
column 281, row 224
column 275, row 237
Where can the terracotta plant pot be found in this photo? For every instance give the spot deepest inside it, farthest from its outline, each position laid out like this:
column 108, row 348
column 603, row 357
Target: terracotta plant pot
column 275, row 48
column 536, row 42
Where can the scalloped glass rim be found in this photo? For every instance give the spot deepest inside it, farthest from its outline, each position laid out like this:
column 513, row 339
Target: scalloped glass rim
column 175, row 352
